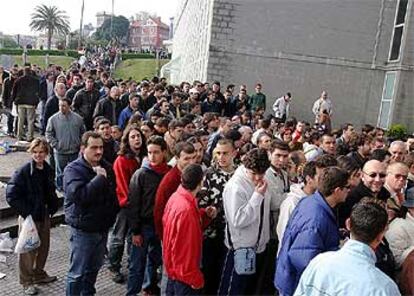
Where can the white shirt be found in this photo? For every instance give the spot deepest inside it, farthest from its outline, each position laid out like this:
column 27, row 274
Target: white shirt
column 281, row 107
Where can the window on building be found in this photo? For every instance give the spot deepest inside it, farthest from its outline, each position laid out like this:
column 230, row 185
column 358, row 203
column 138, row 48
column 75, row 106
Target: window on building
column 398, row 30
column 386, row 100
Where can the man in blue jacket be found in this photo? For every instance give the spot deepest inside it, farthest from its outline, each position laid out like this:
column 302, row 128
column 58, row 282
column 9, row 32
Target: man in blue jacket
column 90, row 206
column 312, row 229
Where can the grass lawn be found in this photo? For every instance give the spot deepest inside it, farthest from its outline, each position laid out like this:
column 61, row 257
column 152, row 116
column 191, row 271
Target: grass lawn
column 40, row 60
column 138, row 68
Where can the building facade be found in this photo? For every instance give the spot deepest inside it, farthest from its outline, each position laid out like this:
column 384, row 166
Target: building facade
column 360, row 51
column 147, row 34
column 101, row 17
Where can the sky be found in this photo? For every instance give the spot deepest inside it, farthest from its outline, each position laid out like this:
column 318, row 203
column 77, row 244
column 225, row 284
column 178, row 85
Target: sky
column 15, row 15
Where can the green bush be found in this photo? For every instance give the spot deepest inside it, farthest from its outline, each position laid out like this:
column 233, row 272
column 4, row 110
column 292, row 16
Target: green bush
column 397, row 132
column 129, row 56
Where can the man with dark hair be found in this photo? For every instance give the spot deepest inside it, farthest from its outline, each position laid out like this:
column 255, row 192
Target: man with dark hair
column 328, row 144
column 148, row 102
column 128, row 111
column 211, row 103
column 111, row 147
column 246, row 201
column 258, row 99
column 296, row 193
column 84, row 102
column 140, row 214
column 183, row 225
column 224, row 127
column 215, row 180
column 351, row 270
column 77, row 84
column 90, row 206
column 343, row 142
column 7, row 99
column 185, row 154
column 25, row 95
column 281, row 107
column 362, row 148
column 312, row 229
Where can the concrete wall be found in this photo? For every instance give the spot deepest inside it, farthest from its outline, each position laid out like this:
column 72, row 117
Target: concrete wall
column 191, row 41
column 305, row 46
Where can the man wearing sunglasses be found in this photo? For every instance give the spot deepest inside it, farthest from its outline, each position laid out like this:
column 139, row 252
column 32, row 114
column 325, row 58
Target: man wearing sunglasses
column 395, row 182
column 371, row 185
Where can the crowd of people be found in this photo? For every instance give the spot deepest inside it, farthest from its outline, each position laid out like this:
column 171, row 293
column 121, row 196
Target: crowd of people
column 209, row 192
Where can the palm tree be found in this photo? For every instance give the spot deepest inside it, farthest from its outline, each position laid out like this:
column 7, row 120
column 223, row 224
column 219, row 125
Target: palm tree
column 50, row 19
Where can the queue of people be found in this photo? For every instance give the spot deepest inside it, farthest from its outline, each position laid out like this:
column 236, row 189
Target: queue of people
column 208, row 194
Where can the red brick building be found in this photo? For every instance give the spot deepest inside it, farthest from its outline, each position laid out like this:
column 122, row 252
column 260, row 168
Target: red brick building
column 147, row 34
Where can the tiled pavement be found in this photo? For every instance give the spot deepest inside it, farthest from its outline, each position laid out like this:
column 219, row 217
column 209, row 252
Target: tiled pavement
column 57, row 264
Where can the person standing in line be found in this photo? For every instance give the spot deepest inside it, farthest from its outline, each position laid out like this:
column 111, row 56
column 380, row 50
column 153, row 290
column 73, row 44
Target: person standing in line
column 258, row 99
column 140, row 217
column 352, row 270
column 91, row 206
column 130, row 157
column 183, row 224
column 312, row 229
column 246, row 200
column 25, row 95
column 31, row 191
column 281, row 107
column 63, row 132
column 214, row 249
column 323, row 109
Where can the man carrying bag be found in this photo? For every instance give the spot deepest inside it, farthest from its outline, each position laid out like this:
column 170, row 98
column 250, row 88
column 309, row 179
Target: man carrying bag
column 246, row 202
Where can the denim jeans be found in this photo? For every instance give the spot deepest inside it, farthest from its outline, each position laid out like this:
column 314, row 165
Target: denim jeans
column 117, row 241
column 87, row 250
column 177, row 288
column 61, row 161
column 138, row 260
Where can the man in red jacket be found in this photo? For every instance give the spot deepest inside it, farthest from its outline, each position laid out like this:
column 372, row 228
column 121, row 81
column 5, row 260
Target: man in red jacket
column 183, row 234
column 185, row 154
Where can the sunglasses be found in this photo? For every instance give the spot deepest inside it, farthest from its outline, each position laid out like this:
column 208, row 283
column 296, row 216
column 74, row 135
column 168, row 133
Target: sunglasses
column 374, row 175
column 400, row 176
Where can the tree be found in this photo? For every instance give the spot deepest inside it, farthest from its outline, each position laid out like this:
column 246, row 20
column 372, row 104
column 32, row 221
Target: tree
column 120, row 28
column 50, row 19
column 8, row 42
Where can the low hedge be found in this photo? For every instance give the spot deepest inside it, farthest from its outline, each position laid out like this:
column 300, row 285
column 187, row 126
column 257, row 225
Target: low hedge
column 128, row 56
column 38, row 52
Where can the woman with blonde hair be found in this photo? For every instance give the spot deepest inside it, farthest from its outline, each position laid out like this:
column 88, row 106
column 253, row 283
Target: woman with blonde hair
column 32, row 191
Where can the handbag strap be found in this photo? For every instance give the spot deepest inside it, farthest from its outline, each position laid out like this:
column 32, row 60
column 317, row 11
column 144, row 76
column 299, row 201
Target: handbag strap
column 260, row 228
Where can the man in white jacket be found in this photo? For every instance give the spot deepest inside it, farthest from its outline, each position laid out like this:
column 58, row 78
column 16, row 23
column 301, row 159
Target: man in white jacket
column 278, row 185
column 297, row 192
column 400, row 234
column 246, row 201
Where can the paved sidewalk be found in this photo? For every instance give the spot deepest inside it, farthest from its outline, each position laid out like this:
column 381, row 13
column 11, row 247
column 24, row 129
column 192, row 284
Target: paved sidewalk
column 57, row 264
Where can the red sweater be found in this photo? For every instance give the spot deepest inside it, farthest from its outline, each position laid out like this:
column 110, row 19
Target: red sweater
column 124, row 168
column 183, row 238
column 167, row 187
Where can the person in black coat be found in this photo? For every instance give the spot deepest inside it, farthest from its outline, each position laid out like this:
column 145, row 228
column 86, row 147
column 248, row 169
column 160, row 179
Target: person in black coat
column 109, row 107
column 31, row 191
column 91, row 206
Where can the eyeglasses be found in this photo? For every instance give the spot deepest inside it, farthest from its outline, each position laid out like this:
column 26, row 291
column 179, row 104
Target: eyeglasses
column 374, row 175
column 400, row 176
